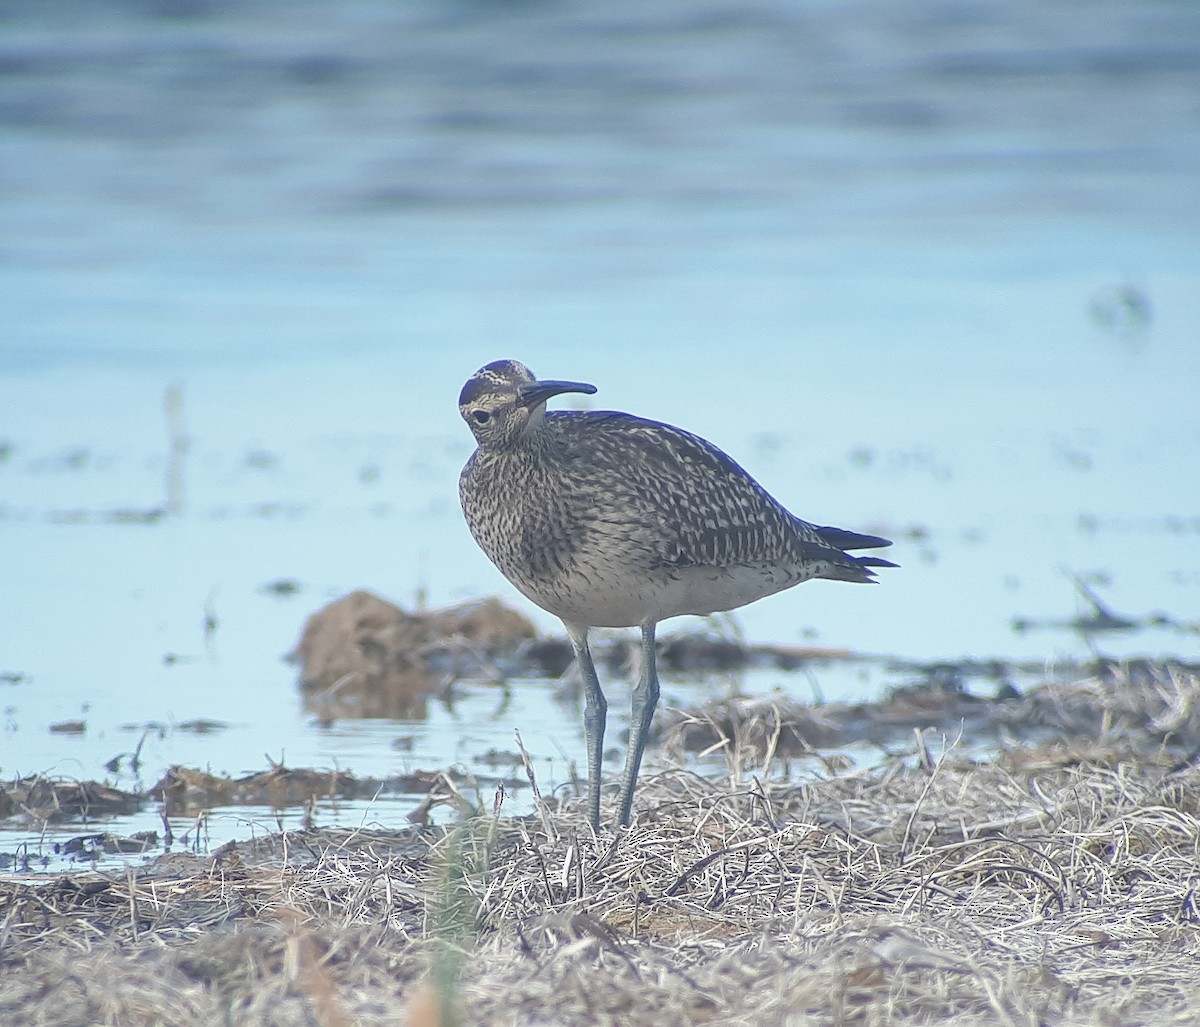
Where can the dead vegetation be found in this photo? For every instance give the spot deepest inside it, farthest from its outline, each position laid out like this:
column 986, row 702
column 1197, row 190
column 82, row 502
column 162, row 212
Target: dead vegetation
column 1055, row 884
column 1133, row 704
column 362, row 656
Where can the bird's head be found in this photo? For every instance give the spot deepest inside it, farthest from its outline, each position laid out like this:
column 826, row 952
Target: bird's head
column 503, row 402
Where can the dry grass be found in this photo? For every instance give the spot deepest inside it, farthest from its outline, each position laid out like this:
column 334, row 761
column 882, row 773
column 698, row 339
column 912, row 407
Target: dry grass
column 1052, row 885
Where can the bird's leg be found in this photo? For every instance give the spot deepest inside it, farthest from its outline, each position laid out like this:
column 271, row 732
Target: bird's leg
column 645, row 698
column 595, row 712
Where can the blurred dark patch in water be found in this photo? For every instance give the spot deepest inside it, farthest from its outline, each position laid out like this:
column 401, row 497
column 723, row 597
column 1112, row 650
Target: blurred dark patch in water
column 1098, row 619
column 362, row 656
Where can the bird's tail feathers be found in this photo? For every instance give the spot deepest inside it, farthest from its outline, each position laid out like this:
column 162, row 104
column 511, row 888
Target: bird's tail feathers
column 873, row 561
column 854, row 568
column 840, row 565
column 842, row 539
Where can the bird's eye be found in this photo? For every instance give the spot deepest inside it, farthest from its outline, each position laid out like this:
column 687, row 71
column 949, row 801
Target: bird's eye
column 481, row 416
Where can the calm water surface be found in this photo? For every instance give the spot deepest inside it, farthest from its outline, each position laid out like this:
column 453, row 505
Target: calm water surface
column 927, row 270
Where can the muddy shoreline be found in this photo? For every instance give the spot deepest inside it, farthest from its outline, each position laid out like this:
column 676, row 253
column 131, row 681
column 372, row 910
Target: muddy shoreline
column 1053, row 882
column 988, row 854
column 361, row 656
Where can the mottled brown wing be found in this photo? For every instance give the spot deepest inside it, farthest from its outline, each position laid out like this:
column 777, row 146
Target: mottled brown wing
column 699, row 506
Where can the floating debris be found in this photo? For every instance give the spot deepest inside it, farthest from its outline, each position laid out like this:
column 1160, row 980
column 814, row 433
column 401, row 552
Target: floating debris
column 284, row 588
column 39, row 799
column 93, row 846
column 201, row 726
column 1097, row 618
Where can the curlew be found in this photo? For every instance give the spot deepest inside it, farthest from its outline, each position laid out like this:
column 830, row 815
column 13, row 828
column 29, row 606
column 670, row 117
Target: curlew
column 605, row 519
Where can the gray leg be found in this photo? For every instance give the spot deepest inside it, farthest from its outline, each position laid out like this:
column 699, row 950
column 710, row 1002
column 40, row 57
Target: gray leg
column 645, row 698
column 595, row 712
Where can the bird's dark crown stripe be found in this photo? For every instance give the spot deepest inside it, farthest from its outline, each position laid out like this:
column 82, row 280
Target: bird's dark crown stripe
column 475, row 388
column 508, row 368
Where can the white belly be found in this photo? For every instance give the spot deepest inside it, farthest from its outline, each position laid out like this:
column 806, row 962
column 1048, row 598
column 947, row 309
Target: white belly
column 610, row 600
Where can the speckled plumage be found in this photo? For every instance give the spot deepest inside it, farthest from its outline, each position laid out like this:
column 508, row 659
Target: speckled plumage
column 609, row 520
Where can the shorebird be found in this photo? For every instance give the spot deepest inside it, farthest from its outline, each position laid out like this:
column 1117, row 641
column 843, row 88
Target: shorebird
column 605, row 519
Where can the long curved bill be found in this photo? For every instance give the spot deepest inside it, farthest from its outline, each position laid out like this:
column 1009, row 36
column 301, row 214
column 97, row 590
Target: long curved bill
column 536, row 393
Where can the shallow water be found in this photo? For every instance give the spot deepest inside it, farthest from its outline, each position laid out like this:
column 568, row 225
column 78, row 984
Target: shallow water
column 927, row 272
